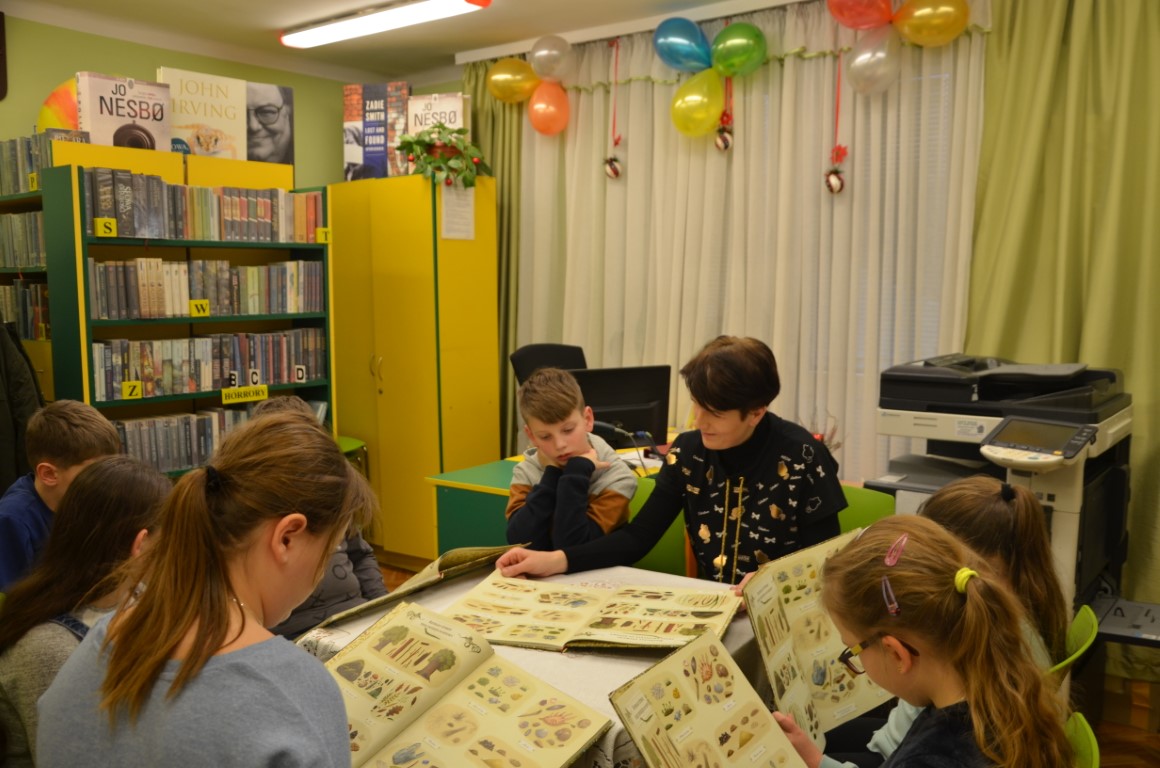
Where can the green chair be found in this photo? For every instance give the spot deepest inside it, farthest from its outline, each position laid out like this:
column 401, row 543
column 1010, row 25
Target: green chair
column 1080, row 636
column 864, row 507
column 1083, row 741
column 668, row 556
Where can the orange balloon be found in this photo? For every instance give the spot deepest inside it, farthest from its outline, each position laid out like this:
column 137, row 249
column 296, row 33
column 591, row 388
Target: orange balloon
column 931, row 23
column 548, row 109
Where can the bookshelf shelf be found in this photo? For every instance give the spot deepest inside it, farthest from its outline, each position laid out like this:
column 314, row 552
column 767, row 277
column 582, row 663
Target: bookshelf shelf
column 168, row 243
column 208, row 395
column 23, row 271
column 92, row 357
column 231, row 319
column 22, row 202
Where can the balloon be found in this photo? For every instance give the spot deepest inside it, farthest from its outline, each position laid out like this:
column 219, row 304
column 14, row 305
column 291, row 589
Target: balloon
column 682, row 45
column 874, row 60
column 551, row 57
column 511, row 80
column 860, row 14
column 931, row 23
column 548, row 109
column 738, row 49
column 59, row 110
column 698, row 105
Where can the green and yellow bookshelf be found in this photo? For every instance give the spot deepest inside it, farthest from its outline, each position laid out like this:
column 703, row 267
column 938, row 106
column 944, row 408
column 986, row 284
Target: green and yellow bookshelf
column 68, row 248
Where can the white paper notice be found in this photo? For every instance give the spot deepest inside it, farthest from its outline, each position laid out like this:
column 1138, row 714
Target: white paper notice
column 458, row 213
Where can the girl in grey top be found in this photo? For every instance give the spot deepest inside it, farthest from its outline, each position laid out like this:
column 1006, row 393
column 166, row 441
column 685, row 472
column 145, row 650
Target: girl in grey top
column 186, row 673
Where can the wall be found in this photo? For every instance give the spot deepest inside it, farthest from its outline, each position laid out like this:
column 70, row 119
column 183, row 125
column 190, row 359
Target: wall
column 40, row 57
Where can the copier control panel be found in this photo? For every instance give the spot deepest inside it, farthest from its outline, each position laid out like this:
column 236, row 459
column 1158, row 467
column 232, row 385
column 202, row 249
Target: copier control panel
column 1036, row 445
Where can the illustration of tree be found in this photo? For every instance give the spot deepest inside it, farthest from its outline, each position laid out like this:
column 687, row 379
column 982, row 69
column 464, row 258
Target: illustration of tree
column 440, row 662
column 390, row 636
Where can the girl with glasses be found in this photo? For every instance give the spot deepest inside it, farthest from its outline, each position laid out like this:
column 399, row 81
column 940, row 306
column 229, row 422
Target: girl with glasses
column 928, row 620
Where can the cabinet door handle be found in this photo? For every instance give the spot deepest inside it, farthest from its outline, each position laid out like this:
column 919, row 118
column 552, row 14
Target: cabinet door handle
column 371, row 365
column 379, row 372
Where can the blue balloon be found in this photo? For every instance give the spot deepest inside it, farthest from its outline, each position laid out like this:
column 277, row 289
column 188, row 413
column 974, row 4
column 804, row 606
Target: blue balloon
column 682, row 45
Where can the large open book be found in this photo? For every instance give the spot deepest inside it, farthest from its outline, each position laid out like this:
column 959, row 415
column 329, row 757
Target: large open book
column 695, row 708
column 541, row 614
column 421, row 690
column 800, row 645
column 324, row 640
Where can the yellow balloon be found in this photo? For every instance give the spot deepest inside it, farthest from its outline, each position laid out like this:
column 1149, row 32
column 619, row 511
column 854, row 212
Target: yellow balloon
column 512, row 80
column 931, row 23
column 698, row 105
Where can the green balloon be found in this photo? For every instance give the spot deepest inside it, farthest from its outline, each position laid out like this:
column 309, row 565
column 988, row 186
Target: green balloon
column 738, row 50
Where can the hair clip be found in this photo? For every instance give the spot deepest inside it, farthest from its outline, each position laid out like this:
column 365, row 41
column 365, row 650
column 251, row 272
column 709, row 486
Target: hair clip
column 888, row 597
column 895, row 551
column 1007, row 492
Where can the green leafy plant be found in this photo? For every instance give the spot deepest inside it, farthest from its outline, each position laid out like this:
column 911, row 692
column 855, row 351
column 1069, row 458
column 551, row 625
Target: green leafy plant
column 445, row 155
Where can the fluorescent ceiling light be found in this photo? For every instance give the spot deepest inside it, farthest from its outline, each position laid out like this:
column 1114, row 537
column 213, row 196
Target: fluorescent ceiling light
column 374, row 21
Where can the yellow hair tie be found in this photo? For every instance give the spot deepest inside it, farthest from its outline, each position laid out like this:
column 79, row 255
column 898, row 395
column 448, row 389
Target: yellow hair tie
column 962, row 576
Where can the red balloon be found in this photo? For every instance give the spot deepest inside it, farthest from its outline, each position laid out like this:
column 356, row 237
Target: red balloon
column 860, row 14
column 548, row 108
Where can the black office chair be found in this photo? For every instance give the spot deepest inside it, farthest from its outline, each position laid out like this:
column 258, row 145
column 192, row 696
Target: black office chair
column 530, row 357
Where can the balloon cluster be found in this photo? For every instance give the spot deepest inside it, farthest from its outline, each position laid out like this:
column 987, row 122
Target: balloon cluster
column 875, row 59
column 536, row 81
column 699, row 104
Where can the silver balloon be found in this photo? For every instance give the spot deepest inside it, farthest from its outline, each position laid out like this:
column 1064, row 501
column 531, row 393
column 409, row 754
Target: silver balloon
column 551, row 57
column 874, row 60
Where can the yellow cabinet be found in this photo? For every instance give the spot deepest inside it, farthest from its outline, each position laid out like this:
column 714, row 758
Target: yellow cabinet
column 416, row 348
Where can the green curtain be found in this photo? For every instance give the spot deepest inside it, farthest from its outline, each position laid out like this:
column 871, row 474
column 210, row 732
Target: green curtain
column 498, row 128
column 1067, row 237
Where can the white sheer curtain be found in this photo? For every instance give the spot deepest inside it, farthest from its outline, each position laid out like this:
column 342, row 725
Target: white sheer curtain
column 691, row 242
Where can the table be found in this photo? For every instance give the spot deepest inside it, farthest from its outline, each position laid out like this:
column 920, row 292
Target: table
column 587, row 675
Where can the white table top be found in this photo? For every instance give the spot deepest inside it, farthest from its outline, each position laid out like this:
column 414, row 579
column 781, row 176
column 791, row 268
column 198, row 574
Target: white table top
column 586, row 674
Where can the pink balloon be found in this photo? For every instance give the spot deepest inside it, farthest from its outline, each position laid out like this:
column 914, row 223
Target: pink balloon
column 548, row 108
column 860, row 14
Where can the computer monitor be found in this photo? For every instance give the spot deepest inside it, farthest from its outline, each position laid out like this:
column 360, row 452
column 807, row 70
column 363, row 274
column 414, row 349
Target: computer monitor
column 634, row 399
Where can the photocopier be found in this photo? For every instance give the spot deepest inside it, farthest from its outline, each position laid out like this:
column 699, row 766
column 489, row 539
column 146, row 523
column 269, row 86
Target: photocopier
column 1063, row 431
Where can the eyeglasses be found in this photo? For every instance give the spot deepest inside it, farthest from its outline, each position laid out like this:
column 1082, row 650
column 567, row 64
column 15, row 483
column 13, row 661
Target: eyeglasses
column 849, row 657
column 267, row 114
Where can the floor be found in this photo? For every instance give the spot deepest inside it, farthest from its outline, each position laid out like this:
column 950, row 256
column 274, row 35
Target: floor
column 1120, row 746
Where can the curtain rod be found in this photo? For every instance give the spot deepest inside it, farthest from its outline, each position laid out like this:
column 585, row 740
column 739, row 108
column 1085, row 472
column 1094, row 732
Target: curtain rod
column 607, row 31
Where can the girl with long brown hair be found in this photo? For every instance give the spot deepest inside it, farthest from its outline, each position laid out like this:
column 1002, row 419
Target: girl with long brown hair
column 103, row 518
column 186, row 673
column 930, row 621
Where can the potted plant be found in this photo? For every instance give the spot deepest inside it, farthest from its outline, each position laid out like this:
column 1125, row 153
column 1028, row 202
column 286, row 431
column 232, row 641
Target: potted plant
column 444, row 155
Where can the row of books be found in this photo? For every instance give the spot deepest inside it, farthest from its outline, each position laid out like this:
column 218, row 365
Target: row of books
column 25, row 303
column 150, row 287
column 25, row 155
column 130, row 369
column 147, row 206
column 185, row 440
column 181, row 441
column 22, row 240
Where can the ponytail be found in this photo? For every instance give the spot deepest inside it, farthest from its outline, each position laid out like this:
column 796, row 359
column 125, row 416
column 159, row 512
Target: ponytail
column 1016, row 711
column 947, row 597
column 1007, row 525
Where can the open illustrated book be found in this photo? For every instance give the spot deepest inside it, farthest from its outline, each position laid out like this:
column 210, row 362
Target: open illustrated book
column 553, row 616
column 324, row 641
column 800, row 645
column 695, row 708
column 423, row 691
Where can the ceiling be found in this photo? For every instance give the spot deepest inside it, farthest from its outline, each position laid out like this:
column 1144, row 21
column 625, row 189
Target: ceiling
column 248, row 30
